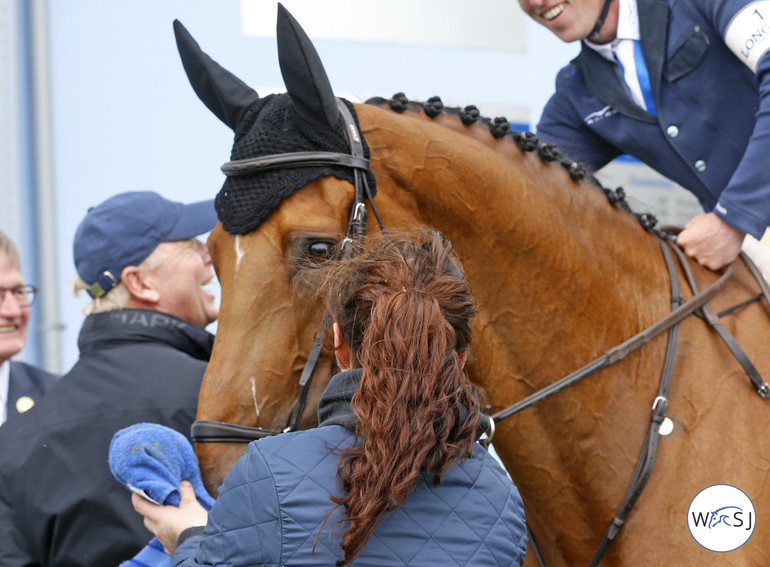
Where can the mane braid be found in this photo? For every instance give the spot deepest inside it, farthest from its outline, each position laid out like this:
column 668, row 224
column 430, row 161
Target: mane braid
column 528, row 142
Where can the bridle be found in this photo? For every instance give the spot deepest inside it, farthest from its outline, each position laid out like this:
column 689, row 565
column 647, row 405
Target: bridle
column 207, row 431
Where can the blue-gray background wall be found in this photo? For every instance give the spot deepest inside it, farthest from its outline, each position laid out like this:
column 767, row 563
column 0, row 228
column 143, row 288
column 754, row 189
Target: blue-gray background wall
column 123, row 116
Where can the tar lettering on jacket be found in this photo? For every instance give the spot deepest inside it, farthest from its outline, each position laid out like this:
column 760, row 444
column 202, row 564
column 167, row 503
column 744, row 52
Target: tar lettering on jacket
column 148, row 320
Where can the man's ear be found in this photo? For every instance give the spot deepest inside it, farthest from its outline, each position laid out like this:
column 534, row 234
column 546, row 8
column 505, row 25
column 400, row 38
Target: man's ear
column 341, row 348
column 140, row 284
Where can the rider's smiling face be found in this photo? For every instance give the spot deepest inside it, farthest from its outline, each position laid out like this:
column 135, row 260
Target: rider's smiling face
column 572, row 20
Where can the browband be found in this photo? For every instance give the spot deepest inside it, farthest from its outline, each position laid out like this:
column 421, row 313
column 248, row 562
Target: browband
column 294, row 159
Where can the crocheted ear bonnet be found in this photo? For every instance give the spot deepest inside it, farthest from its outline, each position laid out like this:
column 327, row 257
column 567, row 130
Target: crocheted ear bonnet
column 304, row 119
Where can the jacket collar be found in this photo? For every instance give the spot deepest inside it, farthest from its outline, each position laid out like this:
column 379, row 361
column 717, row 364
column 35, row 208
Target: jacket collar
column 334, row 405
column 104, row 330
column 602, row 76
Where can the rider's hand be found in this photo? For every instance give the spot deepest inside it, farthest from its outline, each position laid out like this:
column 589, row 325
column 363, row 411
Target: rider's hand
column 710, row 241
column 167, row 522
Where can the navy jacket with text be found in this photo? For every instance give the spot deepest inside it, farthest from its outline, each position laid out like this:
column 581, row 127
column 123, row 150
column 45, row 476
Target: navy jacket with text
column 712, row 132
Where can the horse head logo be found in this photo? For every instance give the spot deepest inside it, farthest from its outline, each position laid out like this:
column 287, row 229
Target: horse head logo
column 722, row 517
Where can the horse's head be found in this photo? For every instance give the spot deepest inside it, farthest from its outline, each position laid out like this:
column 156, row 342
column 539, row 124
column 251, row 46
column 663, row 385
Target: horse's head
column 507, row 202
column 261, row 249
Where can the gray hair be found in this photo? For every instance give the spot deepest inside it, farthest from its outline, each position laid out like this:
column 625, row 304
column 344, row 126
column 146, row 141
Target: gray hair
column 7, row 246
column 118, row 297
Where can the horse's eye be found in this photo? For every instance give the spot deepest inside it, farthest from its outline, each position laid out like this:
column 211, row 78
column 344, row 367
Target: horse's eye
column 319, row 250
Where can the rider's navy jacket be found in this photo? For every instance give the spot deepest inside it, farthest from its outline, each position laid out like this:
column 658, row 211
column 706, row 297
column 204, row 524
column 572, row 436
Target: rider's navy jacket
column 272, row 505
column 712, row 132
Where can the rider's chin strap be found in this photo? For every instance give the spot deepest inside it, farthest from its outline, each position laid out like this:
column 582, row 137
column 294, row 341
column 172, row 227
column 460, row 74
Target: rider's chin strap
column 600, row 21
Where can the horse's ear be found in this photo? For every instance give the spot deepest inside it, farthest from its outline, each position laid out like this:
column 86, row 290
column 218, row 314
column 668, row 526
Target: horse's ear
column 222, row 92
column 303, row 73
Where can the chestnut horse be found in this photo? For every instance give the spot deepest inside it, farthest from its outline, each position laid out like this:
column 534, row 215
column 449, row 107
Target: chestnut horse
column 561, row 276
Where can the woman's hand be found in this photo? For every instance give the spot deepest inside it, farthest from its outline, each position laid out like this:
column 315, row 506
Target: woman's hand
column 167, row 522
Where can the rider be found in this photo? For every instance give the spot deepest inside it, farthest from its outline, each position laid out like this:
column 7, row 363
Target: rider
column 701, row 117
column 393, row 474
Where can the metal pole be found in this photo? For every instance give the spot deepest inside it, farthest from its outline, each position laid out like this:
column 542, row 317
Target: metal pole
column 44, row 190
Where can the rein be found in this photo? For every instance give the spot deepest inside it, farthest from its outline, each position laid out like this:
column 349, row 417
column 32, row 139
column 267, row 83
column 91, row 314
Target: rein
column 207, row 431
column 680, row 310
column 620, row 351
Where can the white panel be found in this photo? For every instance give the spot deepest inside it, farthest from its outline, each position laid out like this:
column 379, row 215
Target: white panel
column 484, row 24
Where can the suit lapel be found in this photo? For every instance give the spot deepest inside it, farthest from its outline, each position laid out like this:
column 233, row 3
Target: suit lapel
column 603, row 78
column 653, row 26
column 20, row 384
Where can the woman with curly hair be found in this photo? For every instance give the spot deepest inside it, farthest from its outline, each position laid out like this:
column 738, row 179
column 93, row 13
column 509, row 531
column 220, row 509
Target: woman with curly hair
column 393, row 475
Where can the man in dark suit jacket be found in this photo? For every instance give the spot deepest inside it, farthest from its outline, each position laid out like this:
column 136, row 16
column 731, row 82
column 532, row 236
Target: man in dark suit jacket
column 21, row 385
column 26, row 385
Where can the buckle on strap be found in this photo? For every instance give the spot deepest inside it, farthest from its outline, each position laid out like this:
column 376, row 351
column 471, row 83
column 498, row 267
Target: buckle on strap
column 104, row 283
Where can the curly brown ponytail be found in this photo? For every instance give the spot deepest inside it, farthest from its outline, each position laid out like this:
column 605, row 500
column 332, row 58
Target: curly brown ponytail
column 405, row 310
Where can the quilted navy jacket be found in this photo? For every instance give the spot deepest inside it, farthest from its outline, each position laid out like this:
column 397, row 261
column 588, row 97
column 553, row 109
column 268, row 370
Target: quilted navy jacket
column 272, row 506
column 712, row 131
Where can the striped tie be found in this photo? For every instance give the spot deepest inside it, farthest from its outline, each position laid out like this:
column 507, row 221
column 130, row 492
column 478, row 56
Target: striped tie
column 631, row 61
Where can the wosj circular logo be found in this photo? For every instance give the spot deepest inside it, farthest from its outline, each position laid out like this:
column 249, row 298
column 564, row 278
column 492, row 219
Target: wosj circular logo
column 721, row 518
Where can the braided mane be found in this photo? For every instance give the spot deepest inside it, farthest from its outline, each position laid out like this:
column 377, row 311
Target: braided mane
column 500, row 127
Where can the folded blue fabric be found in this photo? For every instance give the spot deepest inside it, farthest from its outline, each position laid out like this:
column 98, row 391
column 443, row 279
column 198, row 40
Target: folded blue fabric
column 153, row 460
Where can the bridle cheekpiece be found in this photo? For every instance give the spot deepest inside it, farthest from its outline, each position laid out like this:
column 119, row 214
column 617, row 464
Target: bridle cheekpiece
column 207, row 431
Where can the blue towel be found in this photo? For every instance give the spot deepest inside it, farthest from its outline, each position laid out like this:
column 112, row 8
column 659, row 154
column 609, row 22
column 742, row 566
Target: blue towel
column 153, row 460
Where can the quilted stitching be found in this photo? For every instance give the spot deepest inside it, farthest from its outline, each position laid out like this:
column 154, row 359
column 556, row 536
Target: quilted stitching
column 243, row 526
column 435, row 526
column 304, row 466
column 274, row 517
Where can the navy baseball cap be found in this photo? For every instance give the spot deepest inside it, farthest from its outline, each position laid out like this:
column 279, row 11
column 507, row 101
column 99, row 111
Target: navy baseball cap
column 126, row 228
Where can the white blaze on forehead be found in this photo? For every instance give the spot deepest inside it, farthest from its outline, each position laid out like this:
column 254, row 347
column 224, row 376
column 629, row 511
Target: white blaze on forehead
column 748, row 33
column 253, row 381
column 238, row 253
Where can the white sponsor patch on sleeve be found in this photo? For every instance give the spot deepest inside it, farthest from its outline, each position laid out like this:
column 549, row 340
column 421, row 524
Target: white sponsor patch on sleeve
column 748, row 33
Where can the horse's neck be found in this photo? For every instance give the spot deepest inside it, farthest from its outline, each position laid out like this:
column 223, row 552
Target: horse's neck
column 540, row 250
column 500, row 199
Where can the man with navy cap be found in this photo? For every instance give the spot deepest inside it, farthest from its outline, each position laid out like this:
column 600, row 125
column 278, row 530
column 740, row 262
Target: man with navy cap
column 143, row 352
